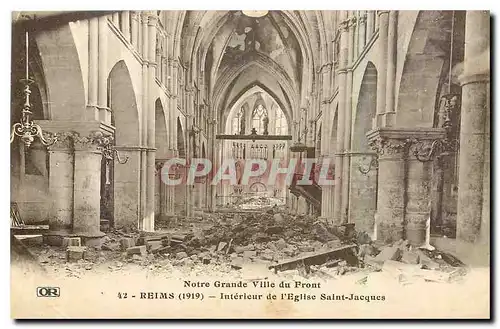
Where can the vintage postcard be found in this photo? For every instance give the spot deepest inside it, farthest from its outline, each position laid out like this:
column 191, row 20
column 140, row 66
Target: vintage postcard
column 250, row 164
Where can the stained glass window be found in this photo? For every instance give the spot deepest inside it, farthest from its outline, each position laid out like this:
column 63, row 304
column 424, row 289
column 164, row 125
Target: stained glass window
column 258, row 115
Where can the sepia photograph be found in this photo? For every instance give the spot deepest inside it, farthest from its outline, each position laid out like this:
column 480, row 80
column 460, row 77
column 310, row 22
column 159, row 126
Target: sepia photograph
column 250, row 164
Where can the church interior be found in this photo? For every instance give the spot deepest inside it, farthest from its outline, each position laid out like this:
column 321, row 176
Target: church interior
column 398, row 100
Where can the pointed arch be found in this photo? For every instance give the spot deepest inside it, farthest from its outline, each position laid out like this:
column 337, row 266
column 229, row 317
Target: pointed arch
column 242, row 96
column 64, row 82
column 123, row 104
column 181, row 144
column 366, row 109
column 161, row 133
column 422, row 69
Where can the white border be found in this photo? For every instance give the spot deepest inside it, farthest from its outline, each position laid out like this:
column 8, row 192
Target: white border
column 5, row 19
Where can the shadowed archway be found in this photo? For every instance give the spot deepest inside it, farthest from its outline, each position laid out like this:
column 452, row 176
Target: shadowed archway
column 125, row 118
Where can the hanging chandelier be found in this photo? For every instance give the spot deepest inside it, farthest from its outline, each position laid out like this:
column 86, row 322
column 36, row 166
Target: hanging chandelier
column 27, row 129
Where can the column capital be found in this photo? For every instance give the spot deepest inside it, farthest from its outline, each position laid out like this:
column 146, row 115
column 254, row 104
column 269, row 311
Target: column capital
column 421, row 142
column 62, row 141
column 152, row 19
column 381, row 12
column 95, row 141
column 134, row 15
column 466, row 79
column 344, row 26
column 362, row 19
column 352, row 21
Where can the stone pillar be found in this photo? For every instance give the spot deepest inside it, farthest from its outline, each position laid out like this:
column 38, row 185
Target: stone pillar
column 382, row 66
column 392, row 149
column 115, row 17
column 87, row 188
column 170, row 195
column 189, row 153
column 405, row 167
column 127, row 188
column 347, row 124
column 370, row 24
column 135, row 29
column 342, row 72
column 164, row 64
column 361, row 31
column 327, row 200
column 473, row 198
column 390, row 91
column 418, row 186
column 162, row 190
column 93, row 69
column 363, row 190
column 148, row 222
column 173, row 86
column 214, row 151
column 126, row 24
column 104, row 111
column 61, row 175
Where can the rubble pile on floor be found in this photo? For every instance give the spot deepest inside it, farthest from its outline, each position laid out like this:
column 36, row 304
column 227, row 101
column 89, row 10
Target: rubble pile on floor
column 227, row 242
column 257, row 202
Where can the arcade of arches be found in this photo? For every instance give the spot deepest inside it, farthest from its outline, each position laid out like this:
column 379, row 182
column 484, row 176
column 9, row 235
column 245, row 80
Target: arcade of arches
column 372, row 90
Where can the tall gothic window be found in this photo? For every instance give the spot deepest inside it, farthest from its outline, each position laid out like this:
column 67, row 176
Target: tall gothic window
column 259, row 118
column 281, row 128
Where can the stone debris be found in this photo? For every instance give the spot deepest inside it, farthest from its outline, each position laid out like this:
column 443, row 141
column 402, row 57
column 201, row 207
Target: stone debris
column 137, row 250
column 71, row 241
column 232, row 243
column 127, row 243
column 75, row 253
column 388, row 253
column 31, row 240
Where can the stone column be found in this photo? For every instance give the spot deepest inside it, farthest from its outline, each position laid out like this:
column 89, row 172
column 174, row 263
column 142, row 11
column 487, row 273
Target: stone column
column 142, row 48
column 382, row 66
column 135, row 29
column 87, row 188
column 173, row 86
column 127, row 188
column 405, row 167
column 418, row 186
column 390, row 92
column 370, row 24
column 392, row 148
column 115, row 17
column 327, row 200
column 148, row 223
column 213, row 151
column 126, row 24
column 189, row 153
column 61, row 173
column 363, row 190
column 484, row 230
column 347, row 124
column 162, row 198
column 342, row 72
column 170, row 203
column 474, row 133
column 93, row 110
column 361, row 31
column 164, row 65
column 327, row 191
column 104, row 111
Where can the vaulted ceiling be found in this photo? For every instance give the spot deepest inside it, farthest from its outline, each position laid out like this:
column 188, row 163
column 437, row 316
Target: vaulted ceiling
column 232, row 52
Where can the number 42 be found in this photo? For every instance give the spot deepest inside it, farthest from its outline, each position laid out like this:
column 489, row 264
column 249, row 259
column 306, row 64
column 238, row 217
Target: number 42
column 122, row 295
